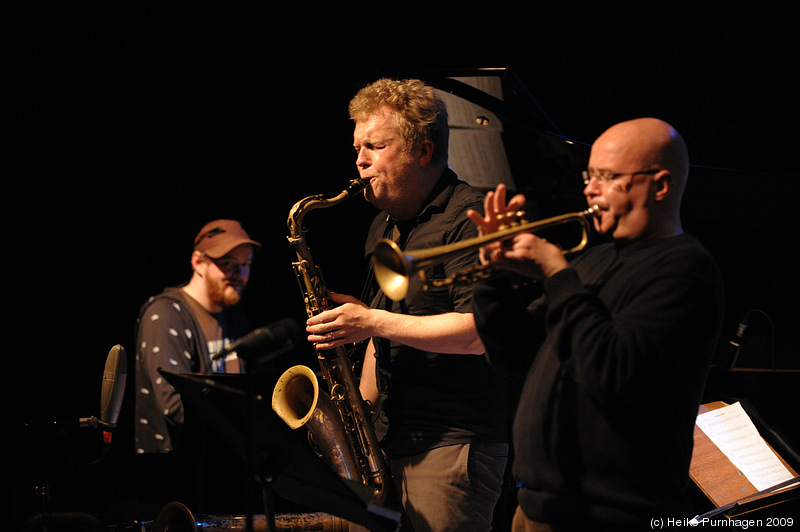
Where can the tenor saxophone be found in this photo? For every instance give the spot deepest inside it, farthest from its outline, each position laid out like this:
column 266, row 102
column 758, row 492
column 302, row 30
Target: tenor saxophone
column 339, row 422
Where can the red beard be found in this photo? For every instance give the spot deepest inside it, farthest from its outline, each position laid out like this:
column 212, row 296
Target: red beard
column 225, row 293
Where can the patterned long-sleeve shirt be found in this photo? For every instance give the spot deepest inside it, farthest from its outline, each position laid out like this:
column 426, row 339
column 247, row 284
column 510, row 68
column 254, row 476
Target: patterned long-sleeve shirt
column 169, row 336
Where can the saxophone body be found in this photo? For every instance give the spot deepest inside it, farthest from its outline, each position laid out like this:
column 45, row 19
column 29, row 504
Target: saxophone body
column 338, row 419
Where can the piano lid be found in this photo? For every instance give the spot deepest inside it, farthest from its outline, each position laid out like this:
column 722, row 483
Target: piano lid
column 500, row 134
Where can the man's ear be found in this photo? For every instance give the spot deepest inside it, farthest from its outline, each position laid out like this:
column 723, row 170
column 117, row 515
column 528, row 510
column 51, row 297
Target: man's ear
column 425, row 152
column 197, row 260
column 662, row 182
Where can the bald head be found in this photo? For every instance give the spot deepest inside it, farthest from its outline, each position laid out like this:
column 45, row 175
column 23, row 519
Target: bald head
column 649, row 143
column 651, row 162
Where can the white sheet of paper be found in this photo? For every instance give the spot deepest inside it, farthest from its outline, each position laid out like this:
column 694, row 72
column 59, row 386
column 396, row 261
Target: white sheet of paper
column 731, row 429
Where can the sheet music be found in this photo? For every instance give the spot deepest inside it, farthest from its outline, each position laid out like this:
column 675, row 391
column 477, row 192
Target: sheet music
column 731, row 429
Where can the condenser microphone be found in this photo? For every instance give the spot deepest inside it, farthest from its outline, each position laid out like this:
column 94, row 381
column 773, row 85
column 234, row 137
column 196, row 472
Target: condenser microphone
column 271, row 341
column 113, row 390
column 735, row 345
column 736, row 341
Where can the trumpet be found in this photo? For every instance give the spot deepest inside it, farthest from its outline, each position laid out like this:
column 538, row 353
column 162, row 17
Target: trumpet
column 393, row 267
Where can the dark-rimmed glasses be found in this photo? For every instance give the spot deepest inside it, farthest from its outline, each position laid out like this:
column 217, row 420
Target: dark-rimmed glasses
column 608, row 177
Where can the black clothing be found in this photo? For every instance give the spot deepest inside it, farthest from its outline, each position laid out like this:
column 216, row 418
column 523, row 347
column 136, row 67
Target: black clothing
column 618, row 349
column 435, row 399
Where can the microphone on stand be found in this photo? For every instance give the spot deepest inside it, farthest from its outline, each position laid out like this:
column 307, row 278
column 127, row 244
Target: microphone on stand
column 113, row 390
column 266, row 343
column 738, row 339
column 111, row 395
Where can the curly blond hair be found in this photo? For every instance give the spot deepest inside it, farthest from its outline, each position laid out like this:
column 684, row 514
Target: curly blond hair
column 419, row 113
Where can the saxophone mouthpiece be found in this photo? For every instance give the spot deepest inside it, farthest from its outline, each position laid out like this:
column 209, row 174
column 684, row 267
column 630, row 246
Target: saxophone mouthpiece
column 357, row 185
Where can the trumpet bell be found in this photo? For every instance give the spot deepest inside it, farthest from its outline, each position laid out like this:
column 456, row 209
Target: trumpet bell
column 392, row 269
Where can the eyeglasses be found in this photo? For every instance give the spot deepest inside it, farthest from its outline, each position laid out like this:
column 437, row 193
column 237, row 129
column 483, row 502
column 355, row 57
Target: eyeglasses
column 608, row 177
column 232, row 266
column 229, row 265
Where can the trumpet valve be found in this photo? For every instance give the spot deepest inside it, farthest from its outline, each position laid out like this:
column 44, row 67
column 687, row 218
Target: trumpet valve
column 511, row 219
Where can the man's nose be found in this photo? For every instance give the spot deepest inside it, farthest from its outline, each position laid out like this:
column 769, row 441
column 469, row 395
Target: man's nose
column 362, row 159
column 592, row 188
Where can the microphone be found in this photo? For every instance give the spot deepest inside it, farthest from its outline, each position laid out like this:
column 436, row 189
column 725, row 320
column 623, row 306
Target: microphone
column 275, row 339
column 111, row 395
column 113, row 390
column 738, row 339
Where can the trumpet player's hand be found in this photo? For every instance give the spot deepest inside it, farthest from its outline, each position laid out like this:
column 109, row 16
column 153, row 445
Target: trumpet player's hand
column 345, row 324
column 530, row 256
column 495, row 207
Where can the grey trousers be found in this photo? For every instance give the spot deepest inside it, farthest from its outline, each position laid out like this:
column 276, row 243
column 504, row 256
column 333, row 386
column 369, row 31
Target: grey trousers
column 453, row 488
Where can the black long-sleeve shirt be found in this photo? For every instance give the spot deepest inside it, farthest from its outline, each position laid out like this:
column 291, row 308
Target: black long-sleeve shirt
column 617, row 351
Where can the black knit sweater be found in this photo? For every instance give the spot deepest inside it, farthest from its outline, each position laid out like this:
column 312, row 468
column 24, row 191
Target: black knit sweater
column 616, row 351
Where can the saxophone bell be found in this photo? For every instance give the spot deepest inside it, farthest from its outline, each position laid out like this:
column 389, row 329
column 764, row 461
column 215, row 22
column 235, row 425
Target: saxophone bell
column 297, row 400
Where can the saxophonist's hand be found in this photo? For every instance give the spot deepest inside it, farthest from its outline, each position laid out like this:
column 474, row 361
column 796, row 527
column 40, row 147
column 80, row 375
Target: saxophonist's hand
column 345, row 324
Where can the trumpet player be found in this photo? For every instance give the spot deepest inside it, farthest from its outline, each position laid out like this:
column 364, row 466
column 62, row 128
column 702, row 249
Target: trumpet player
column 423, row 369
column 615, row 344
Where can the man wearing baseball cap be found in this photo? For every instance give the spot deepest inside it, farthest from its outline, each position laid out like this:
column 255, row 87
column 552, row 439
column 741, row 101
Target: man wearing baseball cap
column 183, row 327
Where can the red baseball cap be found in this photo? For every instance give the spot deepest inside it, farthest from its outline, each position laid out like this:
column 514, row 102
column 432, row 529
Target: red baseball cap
column 219, row 237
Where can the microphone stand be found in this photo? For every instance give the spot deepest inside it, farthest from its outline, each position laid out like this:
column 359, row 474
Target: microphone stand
column 46, row 517
column 276, row 339
column 93, row 422
column 266, row 492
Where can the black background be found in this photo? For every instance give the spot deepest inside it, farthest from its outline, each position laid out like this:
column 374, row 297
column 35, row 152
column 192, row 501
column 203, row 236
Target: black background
column 131, row 126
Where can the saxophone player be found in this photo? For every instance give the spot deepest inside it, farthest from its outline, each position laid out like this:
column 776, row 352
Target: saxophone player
column 424, row 370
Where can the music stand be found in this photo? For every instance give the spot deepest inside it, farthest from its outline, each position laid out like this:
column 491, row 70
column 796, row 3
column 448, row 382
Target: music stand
column 723, row 484
column 281, row 458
